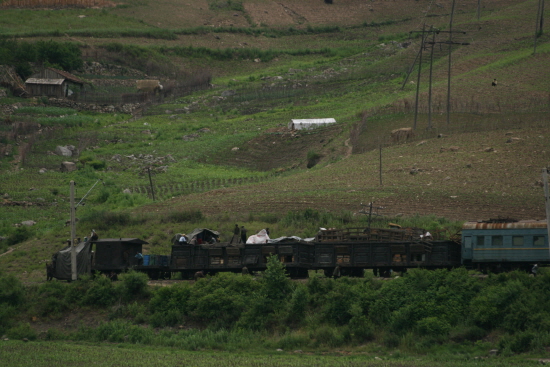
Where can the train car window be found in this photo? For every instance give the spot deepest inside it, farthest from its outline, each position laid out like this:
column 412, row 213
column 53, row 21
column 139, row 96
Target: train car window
column 325, row 258
column 233, row 260
column 399, row 258
column 342, row 259
column 497, row 240
column 419, row 257
column 216, row 260
column 286, row 258
column 517, row 241
column 538, row 240
column 251, row 259
column 480, row 241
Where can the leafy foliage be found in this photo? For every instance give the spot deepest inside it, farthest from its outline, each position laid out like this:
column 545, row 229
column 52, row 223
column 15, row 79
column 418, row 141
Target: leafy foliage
column 63, row 55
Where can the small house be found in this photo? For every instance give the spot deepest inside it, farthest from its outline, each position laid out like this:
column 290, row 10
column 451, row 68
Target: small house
column 305, row 124
column 52, row 82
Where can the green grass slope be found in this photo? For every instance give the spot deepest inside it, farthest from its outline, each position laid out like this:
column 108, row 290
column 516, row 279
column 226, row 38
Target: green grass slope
column 227, row 152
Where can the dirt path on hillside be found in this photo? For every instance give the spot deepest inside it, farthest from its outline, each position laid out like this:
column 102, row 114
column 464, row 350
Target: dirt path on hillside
column 349, row 148
column 10, row 250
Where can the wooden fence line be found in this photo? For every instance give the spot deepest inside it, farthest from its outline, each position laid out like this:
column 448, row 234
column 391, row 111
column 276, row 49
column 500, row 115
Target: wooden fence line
column 168, row 190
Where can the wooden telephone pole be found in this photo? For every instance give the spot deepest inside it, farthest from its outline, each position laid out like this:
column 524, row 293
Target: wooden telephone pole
column 547, row 203
column 74, row 265
column 425, row 35
column 73, row 235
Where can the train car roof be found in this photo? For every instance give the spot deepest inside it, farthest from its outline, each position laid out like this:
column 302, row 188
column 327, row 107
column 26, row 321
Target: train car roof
column 522, row 224
column 133, row 241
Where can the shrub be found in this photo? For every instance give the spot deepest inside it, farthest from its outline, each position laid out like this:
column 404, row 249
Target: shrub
column 23, row 330
column 518, row 343
column 20, row 234
column 433, row 326
column 330, row 336
column 361, row 328
column 471, row 333
column 297, row 305
column 12, row 292
column 100, row 292
column 312, row 159
column 53, row 298
column 276, row 284
column 134, row 285
column 390, row 340
column 7, row 314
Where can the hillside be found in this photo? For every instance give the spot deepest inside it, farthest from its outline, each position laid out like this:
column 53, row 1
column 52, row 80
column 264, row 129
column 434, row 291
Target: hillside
column 226, row 150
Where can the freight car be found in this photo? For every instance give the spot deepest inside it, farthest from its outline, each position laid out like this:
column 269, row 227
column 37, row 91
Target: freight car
column 486, row 246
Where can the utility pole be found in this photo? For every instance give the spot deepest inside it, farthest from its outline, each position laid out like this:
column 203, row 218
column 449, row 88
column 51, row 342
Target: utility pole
column 411, row 68
column 74, row 265
column 430, row 81
column 449, row 70
column 547, row 203
column 151, row 183
column 418, row 78
column 73, row 235
column 539, row 22
column 380, row 148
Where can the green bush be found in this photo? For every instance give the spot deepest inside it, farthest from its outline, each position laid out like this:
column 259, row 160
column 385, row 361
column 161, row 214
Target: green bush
column 518, row 343
column 12, row 292
column 93, row 162
column 134, row 285
column 297, row 305
column 23, row 330
column 433, row 326
column 7, row 315
column 100, row 292
column 361, row 328
column 390, row 340
column 330, row 336
column 168, row 305
column 276, row 285
column 463, row 333
column 488, row 306
column 52, row 298
column 20, row 234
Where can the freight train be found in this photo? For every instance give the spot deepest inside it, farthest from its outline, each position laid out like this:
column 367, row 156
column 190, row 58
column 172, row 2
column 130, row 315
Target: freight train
column 486, row 246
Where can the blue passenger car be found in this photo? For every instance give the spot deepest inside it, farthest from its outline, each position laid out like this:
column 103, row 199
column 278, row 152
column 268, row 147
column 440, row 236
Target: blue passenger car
column 502, row 246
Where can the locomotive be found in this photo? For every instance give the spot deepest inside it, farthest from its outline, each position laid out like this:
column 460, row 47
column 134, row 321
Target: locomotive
column 486, row 246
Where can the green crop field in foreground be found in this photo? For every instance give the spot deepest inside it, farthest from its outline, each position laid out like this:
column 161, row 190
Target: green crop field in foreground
column 37, row 354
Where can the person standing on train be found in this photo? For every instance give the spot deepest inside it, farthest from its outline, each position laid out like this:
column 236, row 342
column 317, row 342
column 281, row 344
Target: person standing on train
column 243, row 235
column 94, row 236
column 235, row 236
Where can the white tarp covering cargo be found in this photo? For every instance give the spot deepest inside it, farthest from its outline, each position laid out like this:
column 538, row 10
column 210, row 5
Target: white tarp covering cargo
column 260, row 237
column 291, row 239
column 305, row 124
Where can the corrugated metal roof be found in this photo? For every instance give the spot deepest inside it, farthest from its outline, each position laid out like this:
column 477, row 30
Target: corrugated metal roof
column 314, row 121
column 44, row 81
column 67, row 75
column 126, row 240
column 300, row 124
column 509, row 225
